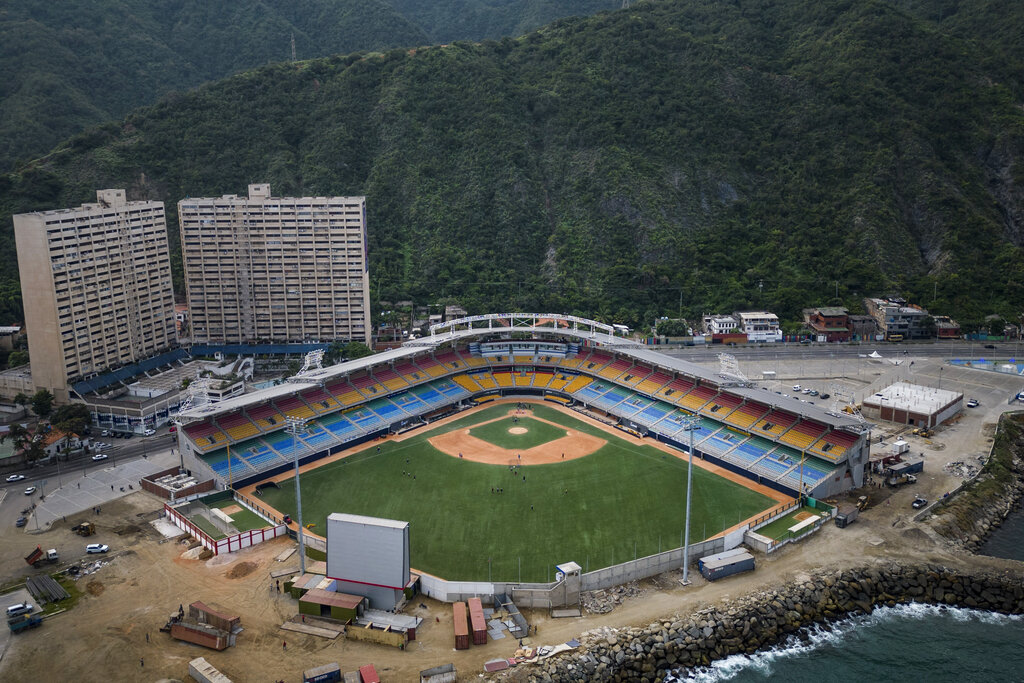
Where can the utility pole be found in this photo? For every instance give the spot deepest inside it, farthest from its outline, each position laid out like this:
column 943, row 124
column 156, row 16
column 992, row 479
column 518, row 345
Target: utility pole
column 296, row 426
column 691, row 424
column 293, row 46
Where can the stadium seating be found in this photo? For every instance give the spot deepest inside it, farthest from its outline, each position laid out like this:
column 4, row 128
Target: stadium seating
column 266, row 417
column 430, row 366
column 542, row 378
column 653, row 382
column 410, row 373
column 720, row 406
column 577, row 383
column 390, row 379
column 409, row 403
column 367, row 385
column 467, row 382
column 319, row 400
column 635, row 376
column 451, row 361
column 615, row 369
column 595, row 361
column 774, row 423
column 522, row 379
column 675, row 389
column 834, row 445
column 747, row 414
column 485, row 380
column 293, row 406
column 559, row 381
column 475, row 361
column 503, row 379
column 696, row 398
column 345, row 393
column 803, row 434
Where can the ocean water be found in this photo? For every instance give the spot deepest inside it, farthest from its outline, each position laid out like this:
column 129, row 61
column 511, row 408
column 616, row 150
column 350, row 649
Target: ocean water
column 902, row 643
column 1008, row 540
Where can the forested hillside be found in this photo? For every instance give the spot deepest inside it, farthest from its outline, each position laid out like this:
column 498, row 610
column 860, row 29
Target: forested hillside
column 68, row 65
column 693, row 155
column 448, row 20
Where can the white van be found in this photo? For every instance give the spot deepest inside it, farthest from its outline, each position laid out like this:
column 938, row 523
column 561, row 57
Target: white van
column 20, row 608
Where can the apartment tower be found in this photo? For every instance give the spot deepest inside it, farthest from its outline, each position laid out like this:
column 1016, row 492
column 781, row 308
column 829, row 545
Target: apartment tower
column 263, row 269
column 96, row 287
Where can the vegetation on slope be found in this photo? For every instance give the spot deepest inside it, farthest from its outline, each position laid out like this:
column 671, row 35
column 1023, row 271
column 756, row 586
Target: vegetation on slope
column 72, row 65
column 672, row 157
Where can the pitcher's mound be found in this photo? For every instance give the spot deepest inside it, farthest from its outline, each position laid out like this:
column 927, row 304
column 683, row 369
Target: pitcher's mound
column 518, row 430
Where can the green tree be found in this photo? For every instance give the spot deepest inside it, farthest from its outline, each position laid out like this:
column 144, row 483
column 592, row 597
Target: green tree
column 71, row 418
column 996, row 327
column 21, row 399
column 17, row 358
column 42, row 403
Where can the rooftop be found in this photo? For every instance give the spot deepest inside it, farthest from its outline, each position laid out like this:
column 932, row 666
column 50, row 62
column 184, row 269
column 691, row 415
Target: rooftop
column 906, row 396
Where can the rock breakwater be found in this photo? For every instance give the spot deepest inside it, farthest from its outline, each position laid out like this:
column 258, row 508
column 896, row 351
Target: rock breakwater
column 763, row 619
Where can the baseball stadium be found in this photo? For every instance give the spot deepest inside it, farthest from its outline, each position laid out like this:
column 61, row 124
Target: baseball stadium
column 511, row 442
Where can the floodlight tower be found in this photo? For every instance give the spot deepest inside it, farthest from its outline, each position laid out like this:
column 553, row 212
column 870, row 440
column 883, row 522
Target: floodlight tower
column 296, row 426
column 690, row 424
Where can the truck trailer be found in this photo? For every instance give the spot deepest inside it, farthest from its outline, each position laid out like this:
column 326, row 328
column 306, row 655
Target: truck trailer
column 714, row 567
column 845, row 515
column 23, row 622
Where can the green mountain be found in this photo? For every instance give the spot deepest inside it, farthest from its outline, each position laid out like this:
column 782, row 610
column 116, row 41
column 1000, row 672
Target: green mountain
column 449, row 20
column 69, row 65
column 673, row 156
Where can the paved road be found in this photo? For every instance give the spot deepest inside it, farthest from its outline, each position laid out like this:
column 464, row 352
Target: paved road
column 948, row 350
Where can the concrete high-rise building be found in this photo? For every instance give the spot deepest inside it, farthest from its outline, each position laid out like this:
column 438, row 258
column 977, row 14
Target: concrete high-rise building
column 96, row 287
column 276, row 269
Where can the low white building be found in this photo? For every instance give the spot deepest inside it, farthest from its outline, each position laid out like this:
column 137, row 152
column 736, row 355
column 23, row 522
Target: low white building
column 759, row 326
column 912, row 404
column 720, row 324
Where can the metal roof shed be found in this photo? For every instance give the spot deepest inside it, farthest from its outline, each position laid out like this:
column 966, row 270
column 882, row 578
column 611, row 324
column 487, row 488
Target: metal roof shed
column 342, row 606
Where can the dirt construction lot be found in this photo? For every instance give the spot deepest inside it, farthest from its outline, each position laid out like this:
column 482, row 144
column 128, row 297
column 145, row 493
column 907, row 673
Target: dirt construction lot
column 104, row 638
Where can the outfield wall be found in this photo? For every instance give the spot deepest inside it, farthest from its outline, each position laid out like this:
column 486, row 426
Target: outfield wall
column 223, row 545
column 539, row 595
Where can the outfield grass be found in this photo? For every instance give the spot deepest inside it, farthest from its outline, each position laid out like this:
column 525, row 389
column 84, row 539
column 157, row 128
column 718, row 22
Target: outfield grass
column 779, row 529
column 244, row 519
column 621, row 502
column 207, row 526
column 537, row 433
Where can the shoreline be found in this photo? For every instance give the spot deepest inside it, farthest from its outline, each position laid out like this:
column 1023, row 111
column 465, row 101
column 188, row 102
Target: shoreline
column 763, row 619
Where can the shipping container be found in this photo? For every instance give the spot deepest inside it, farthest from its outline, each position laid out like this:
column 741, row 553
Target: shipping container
column 200, row 634
column 327, row 673
column 368, row 674
column 460, row 626
column 477, row 622
column 439, row 674
column 716, row 567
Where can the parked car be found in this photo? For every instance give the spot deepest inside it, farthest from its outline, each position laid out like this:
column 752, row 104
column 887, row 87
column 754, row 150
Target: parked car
column 97, row 548
column 20, row 608
column 919, row 502
column 30, row 490
column 150, row 432
column 796, row 387
column 807, row 390
column 824, row 395
column 972, row 403
column 990, row 346
column 105, row 432
column 99, row 456
column 814, row 392
column 805, row 341
column 16, row 477
column 22, row 521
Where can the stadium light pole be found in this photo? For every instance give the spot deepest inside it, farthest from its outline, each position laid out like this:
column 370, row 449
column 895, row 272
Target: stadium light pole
column 691, row 424
column 297, row 425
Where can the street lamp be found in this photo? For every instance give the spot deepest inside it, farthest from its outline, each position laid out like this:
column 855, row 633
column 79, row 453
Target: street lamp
column 296, row 426
column 690, row 424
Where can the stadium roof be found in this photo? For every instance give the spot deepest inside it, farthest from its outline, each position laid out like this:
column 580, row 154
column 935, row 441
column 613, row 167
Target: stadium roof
column 759, row 394
column 628, row 347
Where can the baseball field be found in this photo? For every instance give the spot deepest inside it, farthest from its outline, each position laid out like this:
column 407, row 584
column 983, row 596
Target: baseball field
column 506, row 491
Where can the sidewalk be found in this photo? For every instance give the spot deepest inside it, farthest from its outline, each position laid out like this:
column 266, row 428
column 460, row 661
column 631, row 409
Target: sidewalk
column 80, row 492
